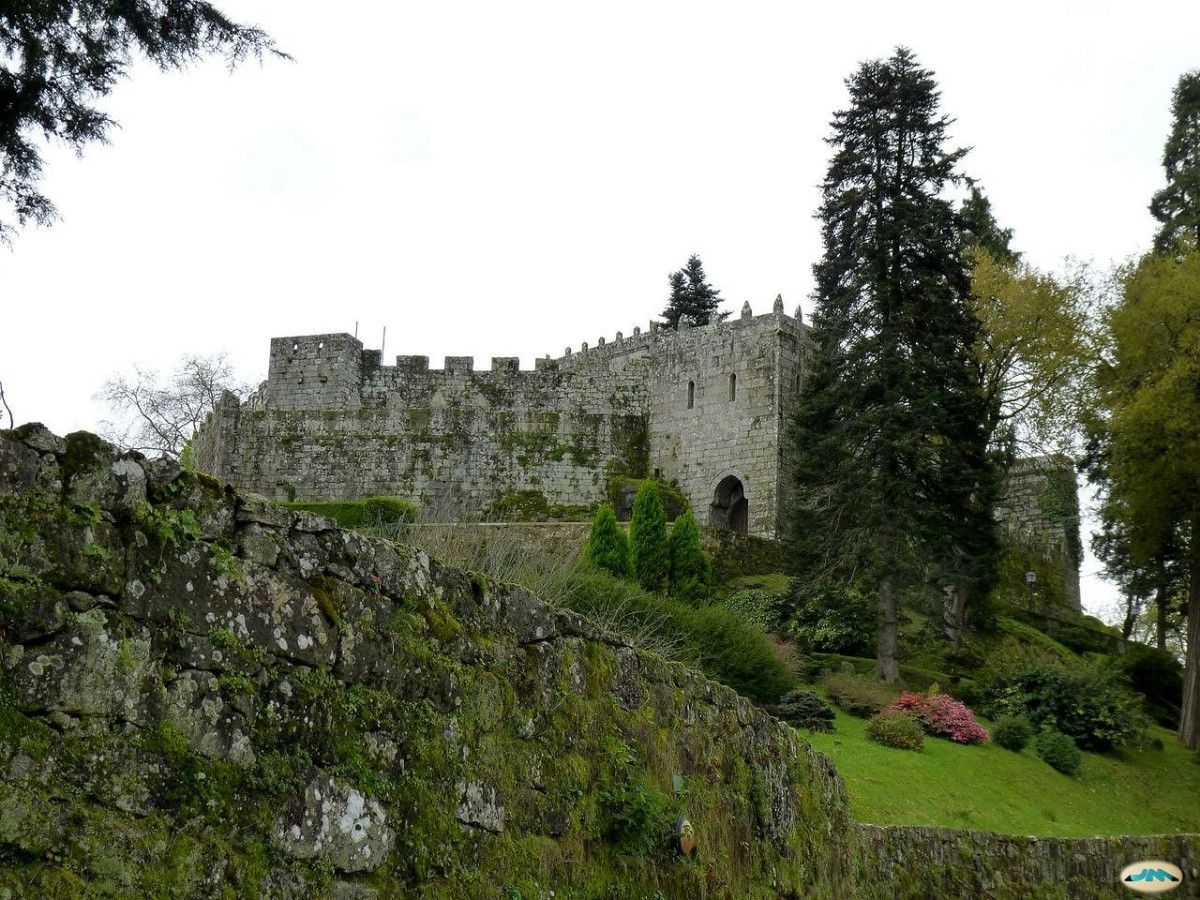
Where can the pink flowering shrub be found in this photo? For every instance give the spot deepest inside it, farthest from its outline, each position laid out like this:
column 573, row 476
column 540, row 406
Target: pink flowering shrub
column 942, row 715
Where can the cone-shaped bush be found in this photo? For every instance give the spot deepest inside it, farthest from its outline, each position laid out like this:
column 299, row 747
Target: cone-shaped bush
column 607, row 546
column 649, row 548
column 691, row 572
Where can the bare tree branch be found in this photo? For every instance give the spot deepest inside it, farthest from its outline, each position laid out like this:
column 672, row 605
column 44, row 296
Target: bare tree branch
column 159, row 417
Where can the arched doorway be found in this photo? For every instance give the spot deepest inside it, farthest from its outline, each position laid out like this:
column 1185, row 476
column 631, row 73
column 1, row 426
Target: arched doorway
column 729, row 508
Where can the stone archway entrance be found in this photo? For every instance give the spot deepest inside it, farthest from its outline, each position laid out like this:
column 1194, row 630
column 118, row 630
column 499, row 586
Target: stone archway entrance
column 729, row 508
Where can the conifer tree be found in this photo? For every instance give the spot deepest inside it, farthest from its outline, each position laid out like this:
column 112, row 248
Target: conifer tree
column 891, row 462
column 1177, row 206
column 693, row 300
column 607, row 547
column 691, row 572
column 650, row 553
column 980, row 229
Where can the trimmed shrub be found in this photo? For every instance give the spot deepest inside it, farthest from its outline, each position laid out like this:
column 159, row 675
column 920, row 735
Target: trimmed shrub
column 1012, row 733
column 859, row 695
column 607, row 547
column 804, row 709
column 650, row 552
column 943, row 716
column 893, row 728
column 1059, row 751
column 833, row 621
column 691, row 572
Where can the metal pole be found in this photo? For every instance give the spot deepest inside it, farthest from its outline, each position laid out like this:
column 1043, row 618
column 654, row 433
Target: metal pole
column 383, row 343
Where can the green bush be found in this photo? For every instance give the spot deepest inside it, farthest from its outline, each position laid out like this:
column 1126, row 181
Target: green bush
column 1012, row 733
column 639, row 818
column 1059, row 751
column 691, row 572
column 734, row 653
column 710, row 638
column 369, row 512
column 756, row 607
column 804, row 709
column 1158, row 676
column 859, row 695
column 896, row 729
column 607, row 546
column 1083, row 702
column 833, row 620
column 650, row 552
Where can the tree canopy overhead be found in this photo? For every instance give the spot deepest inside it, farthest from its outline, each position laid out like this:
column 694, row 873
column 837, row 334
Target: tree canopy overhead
column 58, row 58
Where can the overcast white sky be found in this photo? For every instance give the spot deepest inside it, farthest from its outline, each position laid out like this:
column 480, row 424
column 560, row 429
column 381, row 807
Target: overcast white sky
column 507, row 179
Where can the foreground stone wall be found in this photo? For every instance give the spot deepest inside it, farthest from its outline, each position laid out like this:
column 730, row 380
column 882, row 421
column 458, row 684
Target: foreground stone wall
column 205, row 695
column 916, row 862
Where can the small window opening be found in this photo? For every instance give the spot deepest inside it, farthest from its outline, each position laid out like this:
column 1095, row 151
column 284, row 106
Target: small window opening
column 691, row 394
column 658, row 473
column 295, row 346
column 732, row 388
column 320, row 345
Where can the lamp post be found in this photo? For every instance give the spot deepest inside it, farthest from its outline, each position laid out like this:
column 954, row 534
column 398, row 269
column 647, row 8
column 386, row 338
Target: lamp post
column 1030, row 581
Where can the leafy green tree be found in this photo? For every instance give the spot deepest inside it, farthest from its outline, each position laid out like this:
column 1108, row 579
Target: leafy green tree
column 693, row 300
column 691, row 571
column 650, row 552
column 1177, row 206
column 607, row 546
column 57, row 59
column 891, row 454
column 1149, row 393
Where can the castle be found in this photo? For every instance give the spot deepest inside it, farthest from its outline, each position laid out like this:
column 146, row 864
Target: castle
column 703, row 407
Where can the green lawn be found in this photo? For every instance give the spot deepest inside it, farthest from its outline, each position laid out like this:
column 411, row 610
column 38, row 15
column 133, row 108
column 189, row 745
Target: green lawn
column 993, row 789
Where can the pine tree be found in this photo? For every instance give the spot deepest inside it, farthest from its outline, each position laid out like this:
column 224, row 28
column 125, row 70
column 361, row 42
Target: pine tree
column 693, row 300
column 1177, row 206
column 980, row 229
column 650, row 553
column 691, row 572
column 892, row 471
column 607, row 547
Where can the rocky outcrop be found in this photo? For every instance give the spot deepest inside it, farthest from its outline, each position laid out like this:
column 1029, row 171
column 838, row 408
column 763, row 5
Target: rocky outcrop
column 204, row 694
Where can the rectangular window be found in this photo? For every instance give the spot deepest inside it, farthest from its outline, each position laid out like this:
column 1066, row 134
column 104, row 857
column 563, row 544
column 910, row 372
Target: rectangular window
column 691, row 394
column 732, row 388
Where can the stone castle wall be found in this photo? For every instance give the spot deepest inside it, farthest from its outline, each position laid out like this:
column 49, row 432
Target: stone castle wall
column 332, row 422
column 1040, row 508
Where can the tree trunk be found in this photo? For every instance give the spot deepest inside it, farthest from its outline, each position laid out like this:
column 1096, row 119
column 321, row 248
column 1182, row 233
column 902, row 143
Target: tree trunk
column 887, row 667
column 1133, row 608
column 954, row 606
column 1189, row 718
column 1160, row 609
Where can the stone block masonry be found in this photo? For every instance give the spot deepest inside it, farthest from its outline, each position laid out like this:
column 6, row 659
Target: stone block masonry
column 700, row 406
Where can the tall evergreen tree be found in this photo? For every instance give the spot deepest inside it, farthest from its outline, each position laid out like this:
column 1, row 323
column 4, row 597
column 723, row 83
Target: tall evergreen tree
column 1177, row 206
column 693, row 300
column 892, row 471
column 650, row 553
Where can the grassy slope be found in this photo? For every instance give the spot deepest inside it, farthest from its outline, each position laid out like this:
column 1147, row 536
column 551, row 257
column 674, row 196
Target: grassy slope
column 987, row 787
